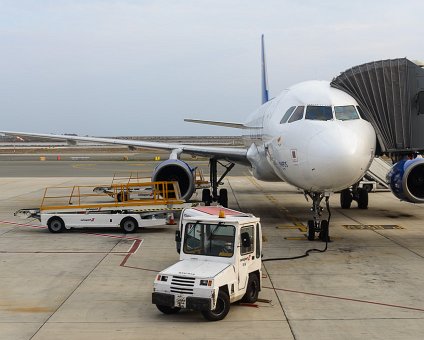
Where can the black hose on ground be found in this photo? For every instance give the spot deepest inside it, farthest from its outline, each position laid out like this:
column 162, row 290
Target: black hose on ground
column 312, row 250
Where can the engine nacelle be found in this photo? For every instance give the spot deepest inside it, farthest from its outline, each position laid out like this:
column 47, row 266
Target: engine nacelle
column 261, row 169
column 179, row 171
column 406, row 180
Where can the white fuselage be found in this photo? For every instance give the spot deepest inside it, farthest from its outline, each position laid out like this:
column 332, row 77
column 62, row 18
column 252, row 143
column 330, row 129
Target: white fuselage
column 315, row 153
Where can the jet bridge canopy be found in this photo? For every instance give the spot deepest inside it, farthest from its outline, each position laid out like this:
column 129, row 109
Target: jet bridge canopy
column 391, row 96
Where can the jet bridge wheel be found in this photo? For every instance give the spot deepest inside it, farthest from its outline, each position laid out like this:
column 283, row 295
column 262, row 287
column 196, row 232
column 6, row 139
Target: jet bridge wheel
column 56, row 224
column 129, row 225
column 221, row 310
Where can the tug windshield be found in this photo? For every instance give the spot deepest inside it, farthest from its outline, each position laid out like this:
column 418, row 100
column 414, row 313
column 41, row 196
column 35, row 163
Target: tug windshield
column 209, row 239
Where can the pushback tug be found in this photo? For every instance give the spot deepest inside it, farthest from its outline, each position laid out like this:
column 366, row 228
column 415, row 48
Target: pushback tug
column 220, row 263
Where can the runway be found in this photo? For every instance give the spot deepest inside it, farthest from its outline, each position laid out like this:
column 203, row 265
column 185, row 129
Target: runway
column 97, row 284
column 92, row 168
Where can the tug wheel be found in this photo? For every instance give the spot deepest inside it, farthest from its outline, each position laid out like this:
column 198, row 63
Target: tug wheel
column 221, row 310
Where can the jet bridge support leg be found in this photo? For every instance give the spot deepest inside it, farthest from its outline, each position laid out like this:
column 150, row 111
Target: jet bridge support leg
column 222, row 197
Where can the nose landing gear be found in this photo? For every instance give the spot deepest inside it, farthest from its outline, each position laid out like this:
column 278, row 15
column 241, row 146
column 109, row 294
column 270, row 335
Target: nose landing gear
column 317, row 225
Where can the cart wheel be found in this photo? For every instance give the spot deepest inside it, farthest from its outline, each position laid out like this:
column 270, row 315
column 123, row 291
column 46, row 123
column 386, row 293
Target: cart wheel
column 129, row 225
column 56, row 225
column 121, row 197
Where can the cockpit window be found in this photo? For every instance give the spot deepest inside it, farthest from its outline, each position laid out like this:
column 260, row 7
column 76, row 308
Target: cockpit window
column 361, row 113
column 297, row 114
column 347, row 112
column 319, row 112
column 287, row 114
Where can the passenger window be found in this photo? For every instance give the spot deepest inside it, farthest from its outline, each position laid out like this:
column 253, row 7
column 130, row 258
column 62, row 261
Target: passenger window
column 297, row 114
column 287, row 114
column 319, row 112
column 347, row 112
column 250, row 231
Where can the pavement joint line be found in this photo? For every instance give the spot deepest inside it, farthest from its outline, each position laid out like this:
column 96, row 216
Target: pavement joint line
column 399, row 244
column 382, row 235
column 64, row 252
column 280, row 302
column 273, row 200
column 73, row 291
column 345, row 298
column 235, row 197
column 132, row 250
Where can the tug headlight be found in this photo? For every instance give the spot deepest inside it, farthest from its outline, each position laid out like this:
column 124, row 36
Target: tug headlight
column 163, row 278
column 206, row 283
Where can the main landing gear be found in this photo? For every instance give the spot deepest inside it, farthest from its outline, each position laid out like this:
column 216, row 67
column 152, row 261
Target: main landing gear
column 317, row 225
column 222, row 198
column 357, row 194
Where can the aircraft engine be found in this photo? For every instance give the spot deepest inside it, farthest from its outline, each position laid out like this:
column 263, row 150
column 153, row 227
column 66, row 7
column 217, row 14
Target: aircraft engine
column 406, row 180
column 179, row 171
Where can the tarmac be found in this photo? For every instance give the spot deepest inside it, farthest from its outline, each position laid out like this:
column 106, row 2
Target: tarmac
column 97, row 283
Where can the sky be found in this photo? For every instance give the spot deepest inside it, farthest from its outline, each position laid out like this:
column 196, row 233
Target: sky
column 115, row 67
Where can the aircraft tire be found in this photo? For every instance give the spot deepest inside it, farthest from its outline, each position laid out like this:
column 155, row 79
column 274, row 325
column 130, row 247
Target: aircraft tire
column 206, row 196
column 345, row 199
column 311, row 230
column 324, row 234
column 362, row 198
column 223, row 198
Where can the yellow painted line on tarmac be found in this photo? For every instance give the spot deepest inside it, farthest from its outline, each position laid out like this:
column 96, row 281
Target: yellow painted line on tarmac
column 77, row 166
column 304, row 237
column 299, row 226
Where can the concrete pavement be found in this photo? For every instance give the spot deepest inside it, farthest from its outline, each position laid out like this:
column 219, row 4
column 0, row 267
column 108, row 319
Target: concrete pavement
column 81, row 285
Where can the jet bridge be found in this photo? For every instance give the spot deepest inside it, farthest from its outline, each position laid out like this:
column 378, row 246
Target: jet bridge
column 376, row 174
column 391, row 95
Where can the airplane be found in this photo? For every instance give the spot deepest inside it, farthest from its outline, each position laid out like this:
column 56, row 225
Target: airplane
column 311, row 136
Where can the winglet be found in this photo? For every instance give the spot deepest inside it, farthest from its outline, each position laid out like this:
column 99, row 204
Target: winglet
column 264, row 75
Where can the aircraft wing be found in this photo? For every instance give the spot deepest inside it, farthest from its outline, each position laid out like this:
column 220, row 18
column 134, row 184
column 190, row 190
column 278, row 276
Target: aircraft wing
column 236, row 155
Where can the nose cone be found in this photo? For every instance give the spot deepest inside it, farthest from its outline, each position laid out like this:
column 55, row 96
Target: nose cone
column 340, row 154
